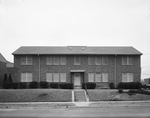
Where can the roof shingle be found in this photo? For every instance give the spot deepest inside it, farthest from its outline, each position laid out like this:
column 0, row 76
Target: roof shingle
column 76, row 50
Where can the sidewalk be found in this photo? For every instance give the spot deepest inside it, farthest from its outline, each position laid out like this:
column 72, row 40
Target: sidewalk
column 66, row 105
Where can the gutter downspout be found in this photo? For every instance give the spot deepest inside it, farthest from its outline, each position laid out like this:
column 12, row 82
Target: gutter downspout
column 39, row 67
column 115, row 71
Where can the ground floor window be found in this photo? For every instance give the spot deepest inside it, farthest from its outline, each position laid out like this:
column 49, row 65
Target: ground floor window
column 97, row 77
column 26, row 77
column 127, row 77
column 56, row 77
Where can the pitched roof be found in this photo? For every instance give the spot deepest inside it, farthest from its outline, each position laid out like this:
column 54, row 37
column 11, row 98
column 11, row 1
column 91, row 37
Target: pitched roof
column 76, row 50
column 8, row 64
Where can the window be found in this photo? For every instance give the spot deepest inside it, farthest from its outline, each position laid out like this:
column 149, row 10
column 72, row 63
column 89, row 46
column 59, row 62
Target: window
column 55, row 77
column 49, row 77
column 76, row 60
column 56, row 60
column 26, row 77
column 127, row 60
column 91, row 77
column 62, row 77
column 98, row 60
column 104, row 77
column 127, row 77
column 26, row 60
column 49, row 60
column 91, row 60
column 63, row 60
column 97, row 77
column 104, row 60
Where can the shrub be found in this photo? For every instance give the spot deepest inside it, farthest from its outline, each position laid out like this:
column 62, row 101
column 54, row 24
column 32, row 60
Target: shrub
column 7, row 85
column 66, row 85
column 44, row 84
column 10, row 79
column 139, row 91
column 111, row 85
column 129, row 85
column 120, row 90
column 33, row 84
column 54, row 85
column 15, row 85
column 89, row 85
column 5, row 78
column 23, row 85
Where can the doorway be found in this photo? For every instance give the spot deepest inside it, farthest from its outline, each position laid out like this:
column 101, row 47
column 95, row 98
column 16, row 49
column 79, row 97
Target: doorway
column 77, row 80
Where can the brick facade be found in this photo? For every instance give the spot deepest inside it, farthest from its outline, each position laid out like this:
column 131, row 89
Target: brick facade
column 114, row 68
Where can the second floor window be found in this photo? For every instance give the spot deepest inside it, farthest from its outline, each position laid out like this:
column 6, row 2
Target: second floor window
column 26, row 60
column 127, row 60
column 77, row 60
column 56, row 60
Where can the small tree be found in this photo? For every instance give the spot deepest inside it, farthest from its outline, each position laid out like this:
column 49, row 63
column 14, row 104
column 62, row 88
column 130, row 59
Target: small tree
column 10, row 79
column 5, row 78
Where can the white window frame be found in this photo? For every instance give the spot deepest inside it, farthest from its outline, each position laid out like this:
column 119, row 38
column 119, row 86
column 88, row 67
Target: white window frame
column 56, row 60
column 98, row 60
column 63, row 60
column 49, row 60
column 26, row 60
column 63, row 77
column 91, row 77
column 77, row 60
column 127, row 77
column 98, row 77
column 91, row 60
column 127, row 60
column 104, row 77
column 27, row 76
column 104, row 59
column 49, row 77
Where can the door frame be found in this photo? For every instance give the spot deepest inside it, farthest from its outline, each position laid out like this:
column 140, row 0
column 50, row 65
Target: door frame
column 81, row 78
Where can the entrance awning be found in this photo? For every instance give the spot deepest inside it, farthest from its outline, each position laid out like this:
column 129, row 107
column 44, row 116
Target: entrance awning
column 77, row 71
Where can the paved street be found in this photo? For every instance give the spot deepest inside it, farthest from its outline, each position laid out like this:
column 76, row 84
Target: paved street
column 141, row 110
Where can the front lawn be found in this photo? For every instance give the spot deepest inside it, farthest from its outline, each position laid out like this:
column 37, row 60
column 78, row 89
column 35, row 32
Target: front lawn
column 35, row 95
column 113, row 95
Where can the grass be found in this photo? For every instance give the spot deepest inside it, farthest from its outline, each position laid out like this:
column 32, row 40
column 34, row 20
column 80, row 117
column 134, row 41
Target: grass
column 35, row 95
column 113, row 95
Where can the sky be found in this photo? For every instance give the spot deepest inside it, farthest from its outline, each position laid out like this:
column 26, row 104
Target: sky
column 76, row 23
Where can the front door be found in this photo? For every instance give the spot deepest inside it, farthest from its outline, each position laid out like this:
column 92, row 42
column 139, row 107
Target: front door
column 77, row 80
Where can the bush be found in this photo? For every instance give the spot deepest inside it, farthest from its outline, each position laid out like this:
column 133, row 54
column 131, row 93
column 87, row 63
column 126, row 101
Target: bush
column 5, row 78
column 7, row 85
column 66, row 85
column 10, row 79
column 139, row 91
column 15, row 85
column 44, row 84
column 54, row 85
column 129, row 85
column 23, row 85
column 120, row 90
column 111, row 85
column 89, row 85
column 33, row 84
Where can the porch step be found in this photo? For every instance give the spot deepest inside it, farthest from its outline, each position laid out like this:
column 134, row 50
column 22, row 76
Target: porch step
column 79, row 96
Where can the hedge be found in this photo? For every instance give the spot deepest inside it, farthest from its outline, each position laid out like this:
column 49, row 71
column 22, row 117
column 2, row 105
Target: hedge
column 54, row 85
column 111, row 85
column 44, row 84
column 129, row 85
column 89, row 85
column 66, row 85
column 7, row 85
column 33, row 84
column 23, row 85
column 15, row 85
